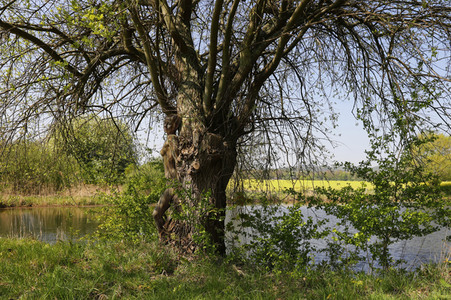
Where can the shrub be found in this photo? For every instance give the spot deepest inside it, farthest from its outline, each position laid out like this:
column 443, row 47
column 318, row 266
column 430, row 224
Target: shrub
column 279, row 237
column 30, row 167
column 129, row 215
column 405, row 203
column 128, row 218
column 104, row 148
column 147, row 180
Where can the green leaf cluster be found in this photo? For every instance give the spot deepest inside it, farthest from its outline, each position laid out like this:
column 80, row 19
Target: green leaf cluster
column 103, row 147
column 434, row 155
column 279, row 237
column 406, row 202
column 128, row 216
column 146, row 180
column 33, row 167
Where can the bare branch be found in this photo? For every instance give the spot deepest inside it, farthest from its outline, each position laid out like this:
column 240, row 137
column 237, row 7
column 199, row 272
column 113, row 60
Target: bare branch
column 47, row 48
column 212, row 57
column 151, row 63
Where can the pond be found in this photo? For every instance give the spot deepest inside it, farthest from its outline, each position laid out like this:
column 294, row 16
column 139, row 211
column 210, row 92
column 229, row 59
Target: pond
column 434, row 247
column 51, row 224
column 48, row 224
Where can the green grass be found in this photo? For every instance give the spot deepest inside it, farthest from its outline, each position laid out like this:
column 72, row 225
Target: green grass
column 7, row 201
column 274, row 187
column 34, row 270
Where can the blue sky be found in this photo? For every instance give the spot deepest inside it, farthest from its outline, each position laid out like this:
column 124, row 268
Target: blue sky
column 353, row 140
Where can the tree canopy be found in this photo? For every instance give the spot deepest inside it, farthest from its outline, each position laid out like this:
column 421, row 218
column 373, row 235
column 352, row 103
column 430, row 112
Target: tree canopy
column 223, row 71
column 103, row 147
column 239, row 59
column 435, row 155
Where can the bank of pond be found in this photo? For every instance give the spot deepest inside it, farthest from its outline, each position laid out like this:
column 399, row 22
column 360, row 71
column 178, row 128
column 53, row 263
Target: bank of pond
column 32, row 269
column 88, row 195
column 53, row 224
column 45, row 253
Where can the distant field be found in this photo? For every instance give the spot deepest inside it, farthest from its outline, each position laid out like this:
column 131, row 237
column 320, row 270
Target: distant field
column 298, row 185
column 276, row 186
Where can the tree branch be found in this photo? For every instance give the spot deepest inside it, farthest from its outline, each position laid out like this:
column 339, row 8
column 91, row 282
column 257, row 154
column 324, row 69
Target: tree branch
column 151, row 64
column 212, row 57
column 38, row 42
column 226, row 53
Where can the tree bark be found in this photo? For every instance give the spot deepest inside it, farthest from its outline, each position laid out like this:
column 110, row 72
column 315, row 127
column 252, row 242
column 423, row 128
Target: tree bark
column 199, row 163
column 199, row 157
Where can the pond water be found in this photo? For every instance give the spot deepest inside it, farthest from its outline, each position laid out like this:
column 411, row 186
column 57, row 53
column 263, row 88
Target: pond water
column 430, row 248
column 51, row 224
column 48, row 224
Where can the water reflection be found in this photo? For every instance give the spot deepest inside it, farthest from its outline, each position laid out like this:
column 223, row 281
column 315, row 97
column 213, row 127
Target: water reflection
column 51, row 224
column 48, row 224
column 419, row 250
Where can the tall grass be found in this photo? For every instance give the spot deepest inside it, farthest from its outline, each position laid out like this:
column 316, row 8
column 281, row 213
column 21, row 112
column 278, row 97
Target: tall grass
column 30, row 269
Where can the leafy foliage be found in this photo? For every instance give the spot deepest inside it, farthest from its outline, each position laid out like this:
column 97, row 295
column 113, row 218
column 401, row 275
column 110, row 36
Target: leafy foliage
column 405, row 203
column 91, row 151
column 103, row 147
column 435, row 155
column 280, row 237
column 128, row 216
column 146, row 180
column 30, row 167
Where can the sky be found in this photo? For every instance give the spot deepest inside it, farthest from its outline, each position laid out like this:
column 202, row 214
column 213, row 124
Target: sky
column 351, row 138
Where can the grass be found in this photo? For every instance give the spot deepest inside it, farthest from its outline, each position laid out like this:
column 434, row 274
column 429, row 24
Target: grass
column 89, row 195
column 29, row 201
column 31, row 269
column 83, row 195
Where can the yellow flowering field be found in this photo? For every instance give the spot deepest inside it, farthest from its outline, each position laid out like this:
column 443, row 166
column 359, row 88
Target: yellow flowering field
column 275, row 186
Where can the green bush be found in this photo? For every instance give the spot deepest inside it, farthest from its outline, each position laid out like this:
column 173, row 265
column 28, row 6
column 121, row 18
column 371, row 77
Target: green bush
column 104, row 148
column 88, row 150
column 405, row 203
column 279, row 237
column 147, row 180
column 129, row 215
column 445, row 187
column 128, row 218
column 30, row 167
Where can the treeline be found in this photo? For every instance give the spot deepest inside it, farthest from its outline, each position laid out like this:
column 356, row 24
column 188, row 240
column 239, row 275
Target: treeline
column 32, row 167
column 89, row 150
column 431, row 154
column 290, row 174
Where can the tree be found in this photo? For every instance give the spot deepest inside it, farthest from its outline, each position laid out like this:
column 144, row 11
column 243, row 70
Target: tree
column 32, row 167
column 435, row 155
column 103, row 147
column 221, row 72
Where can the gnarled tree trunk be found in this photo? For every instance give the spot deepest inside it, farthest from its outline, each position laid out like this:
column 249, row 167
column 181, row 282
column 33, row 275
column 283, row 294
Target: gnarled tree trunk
column 199, row 163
